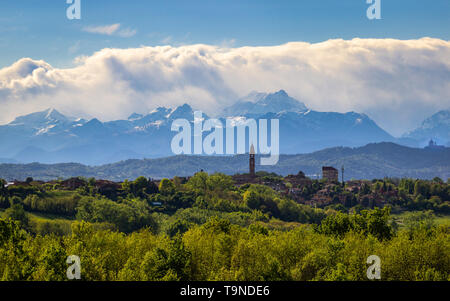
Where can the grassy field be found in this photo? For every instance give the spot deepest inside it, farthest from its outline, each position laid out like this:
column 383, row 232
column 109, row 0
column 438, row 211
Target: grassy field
column 48, row 217
column 41, row 216
column 443, row 220
column 46, row 223
column 438, row 219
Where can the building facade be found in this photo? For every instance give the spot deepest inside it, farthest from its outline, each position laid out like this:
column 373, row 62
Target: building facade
column 252, row 161
column 331, row 174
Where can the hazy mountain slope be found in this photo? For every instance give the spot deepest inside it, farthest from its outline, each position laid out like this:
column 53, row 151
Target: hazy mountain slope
column 302, row 132
column 371, row 161
column 436, row 127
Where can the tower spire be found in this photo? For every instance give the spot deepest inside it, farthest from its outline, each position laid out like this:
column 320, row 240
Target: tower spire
column 252, row 161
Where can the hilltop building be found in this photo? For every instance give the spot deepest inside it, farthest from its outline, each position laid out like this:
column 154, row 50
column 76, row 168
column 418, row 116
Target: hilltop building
column 241, row 179
column 433, row 145
column 252, row 161
column 329, row 173
column 299, row 180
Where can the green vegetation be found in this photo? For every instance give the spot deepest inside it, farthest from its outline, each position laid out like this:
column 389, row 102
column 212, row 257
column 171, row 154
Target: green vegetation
column 207, row 228
column 368, row 162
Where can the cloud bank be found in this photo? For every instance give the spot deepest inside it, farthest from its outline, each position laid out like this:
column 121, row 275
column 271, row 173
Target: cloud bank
column 397, row 83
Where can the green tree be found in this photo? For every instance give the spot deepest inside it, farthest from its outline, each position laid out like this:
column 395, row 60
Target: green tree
column 166, row 187
column 128, row 216
column 167, row 264
column 17, row 213
column 438, row 180
column 198, row 183
column 179, row 227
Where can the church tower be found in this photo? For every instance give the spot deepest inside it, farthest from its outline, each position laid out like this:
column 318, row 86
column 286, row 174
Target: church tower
column 252, row 161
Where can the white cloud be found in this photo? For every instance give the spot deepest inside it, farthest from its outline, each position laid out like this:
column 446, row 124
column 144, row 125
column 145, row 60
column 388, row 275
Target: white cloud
column 166, row 40
column 106, row 29
column 127, row 33
column 397, row 83
column 113, row 29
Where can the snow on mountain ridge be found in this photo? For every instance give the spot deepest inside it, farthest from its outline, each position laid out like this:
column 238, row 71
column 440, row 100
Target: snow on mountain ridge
column 436, row 127
column 261, row 103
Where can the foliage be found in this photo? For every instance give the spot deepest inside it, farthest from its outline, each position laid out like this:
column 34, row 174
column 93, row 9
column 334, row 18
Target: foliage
column 206, row 228
column 373, row 222
column 127, row 217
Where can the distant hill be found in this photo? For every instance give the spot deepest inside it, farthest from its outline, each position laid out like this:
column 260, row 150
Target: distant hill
column 371, row 161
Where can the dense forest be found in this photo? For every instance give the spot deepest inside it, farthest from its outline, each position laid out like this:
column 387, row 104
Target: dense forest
column 209, row 228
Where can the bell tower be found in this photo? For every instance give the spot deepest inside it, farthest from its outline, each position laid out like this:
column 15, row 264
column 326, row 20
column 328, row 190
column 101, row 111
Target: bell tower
column 252, row 161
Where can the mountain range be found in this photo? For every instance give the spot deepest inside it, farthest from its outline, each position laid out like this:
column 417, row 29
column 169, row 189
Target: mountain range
column 376, row 160
column 51, row 137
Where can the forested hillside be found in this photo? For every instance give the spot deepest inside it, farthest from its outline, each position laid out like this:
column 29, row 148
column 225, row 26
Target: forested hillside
column 209, row 228
column 368, row 162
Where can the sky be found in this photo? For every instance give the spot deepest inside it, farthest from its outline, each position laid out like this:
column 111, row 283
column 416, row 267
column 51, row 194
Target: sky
column 136, row 55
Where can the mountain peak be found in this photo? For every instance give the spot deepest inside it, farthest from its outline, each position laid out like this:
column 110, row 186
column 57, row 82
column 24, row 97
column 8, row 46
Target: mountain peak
column 185, row 107
column 94, row 121
column 281, row 93
column 263, row 103
column 254, row 96
column 184, row 111
column 436, row 127
column 440, row 118
column 135, row 116
column 159, row 110
column 40, row 118
column 53, row 114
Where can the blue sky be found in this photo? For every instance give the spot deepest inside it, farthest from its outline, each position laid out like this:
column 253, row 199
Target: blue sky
column 40, row 30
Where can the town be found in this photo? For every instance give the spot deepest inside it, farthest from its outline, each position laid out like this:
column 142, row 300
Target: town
column 327, row 192
column 253, row 226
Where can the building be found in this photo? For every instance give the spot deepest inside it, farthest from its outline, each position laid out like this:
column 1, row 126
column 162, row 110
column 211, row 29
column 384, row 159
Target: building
column 329, row 173
column 299, row 180
column 433, row 145
column 250, row 178
column 73, row 183
column 320, row 199
column 252, row 161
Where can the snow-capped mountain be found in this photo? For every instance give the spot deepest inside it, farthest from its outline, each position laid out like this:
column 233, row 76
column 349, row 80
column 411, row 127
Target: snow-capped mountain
column 261, row 103
column 47, row 119
column 436, row 127
column 51, row 137
column 311, row 130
